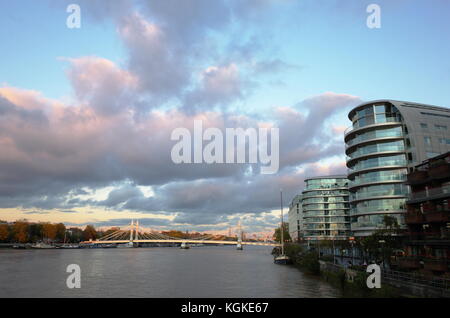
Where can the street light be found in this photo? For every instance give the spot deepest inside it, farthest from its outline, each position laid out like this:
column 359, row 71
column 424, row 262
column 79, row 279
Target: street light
column 382, row 251
column 334, row 254
column 352, row 242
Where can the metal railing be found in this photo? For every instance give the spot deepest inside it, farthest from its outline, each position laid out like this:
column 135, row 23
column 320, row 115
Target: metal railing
column 414, row 278
column 430, row 192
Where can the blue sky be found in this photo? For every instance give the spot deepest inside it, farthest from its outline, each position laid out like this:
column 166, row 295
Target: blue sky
column 406, row 59
column 96, row 105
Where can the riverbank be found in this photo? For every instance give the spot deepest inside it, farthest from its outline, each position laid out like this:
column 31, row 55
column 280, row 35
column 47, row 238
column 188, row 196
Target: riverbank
column 352, row 283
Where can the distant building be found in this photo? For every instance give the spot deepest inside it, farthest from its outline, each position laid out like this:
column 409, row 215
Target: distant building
column 295, row 217
column 386, row 140
column 325, row 208
column 428, row 217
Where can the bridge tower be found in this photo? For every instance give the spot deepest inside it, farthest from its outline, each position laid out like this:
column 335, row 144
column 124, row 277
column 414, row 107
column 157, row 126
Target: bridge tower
column 132, row 231
column 239, row 236
column 136, row 230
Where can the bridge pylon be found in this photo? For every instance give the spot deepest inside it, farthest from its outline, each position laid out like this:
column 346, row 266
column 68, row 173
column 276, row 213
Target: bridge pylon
column 239, row 236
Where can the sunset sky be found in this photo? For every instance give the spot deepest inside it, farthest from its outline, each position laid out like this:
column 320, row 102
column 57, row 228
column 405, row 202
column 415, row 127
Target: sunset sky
column 86, row 114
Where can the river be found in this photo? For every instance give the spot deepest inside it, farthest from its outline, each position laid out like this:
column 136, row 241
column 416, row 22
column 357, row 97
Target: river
column 210, row 271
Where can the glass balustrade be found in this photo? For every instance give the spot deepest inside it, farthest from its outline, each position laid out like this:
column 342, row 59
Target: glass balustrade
column 375, row 134
column 397, row 160
column 381, row 147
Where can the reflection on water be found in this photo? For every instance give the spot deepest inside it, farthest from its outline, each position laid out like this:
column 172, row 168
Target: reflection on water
column 155, row 272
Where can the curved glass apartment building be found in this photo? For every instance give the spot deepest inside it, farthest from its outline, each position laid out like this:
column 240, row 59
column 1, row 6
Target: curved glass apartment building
column 385, row 140
column 325, row 208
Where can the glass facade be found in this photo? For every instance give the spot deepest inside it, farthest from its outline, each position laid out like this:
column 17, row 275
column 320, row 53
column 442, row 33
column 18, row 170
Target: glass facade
column 326, row 208
column 377, row 166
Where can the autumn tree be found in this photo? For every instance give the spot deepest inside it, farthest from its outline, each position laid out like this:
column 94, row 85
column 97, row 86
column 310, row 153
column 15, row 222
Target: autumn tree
column 111, row 230
column 177, row 234
column 4, row 232
column 49, row 231
column 89, row 233
column 20, row 229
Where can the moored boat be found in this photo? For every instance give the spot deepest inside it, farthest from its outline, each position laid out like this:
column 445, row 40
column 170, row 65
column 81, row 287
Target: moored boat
column 42, row 245
column 19, row 246
column 69, row 246
column 184, row 246
column 282, row 259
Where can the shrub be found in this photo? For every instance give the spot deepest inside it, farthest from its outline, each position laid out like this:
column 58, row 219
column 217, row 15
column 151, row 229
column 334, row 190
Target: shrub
column 310, row 262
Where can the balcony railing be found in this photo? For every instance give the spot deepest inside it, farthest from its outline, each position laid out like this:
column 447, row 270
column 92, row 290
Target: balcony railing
column 414, row 218
column 439, row 171
column 408, row 262
column 430, row 193
column 437, row 264
column 444, row 235
column 437, row 216
column 373, row 136
column 371, row 120
column 417, row 177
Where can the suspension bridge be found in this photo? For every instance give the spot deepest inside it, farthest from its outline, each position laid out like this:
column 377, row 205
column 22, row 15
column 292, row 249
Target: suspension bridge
column 134, row 236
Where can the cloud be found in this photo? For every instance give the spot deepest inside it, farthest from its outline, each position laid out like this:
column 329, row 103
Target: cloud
column 77, row 147
column 182, row 64
column 99, row 83
column 220, row 86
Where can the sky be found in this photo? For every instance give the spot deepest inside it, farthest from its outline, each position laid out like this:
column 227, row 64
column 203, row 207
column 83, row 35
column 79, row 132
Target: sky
column 86, row 114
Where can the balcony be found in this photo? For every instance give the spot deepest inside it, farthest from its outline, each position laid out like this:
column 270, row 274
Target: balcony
column 414, row 218
column 408, row 262
column 437, row 217
column 440, row 171
column 417, row 177
column 370, row 121
column 429, row 194
column 436, row 264
column 416, row 236
column 437, row 235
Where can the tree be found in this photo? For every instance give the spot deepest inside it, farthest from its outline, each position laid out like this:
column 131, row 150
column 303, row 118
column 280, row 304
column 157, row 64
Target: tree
column 111, row 230
column 49, row 231
column 20, row 229
column 75, row 235
column 60, row 231
column 286, row 236
column 4, row 232
column 89, row 233
column 177, row 234
column 35, row 232
column 382, row 243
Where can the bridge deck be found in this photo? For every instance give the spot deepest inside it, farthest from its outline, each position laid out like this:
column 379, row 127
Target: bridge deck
column 181, row 241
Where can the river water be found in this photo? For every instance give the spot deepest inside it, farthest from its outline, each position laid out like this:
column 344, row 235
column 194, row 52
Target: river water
column 210, row 271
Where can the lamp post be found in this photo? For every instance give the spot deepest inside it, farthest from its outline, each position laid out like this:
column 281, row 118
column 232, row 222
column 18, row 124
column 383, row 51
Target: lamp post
column 334, row 254
column 382, row 251
column 352, row 242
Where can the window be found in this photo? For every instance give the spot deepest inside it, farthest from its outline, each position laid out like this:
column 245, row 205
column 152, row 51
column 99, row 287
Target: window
column 427, row 140
column 444, row 141
column 423, row 125
column 437, row 115
column 440, row 127
column 432, row 154
column 379, row 109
